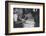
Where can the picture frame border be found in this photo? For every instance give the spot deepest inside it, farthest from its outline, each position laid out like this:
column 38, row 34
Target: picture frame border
column 6, row 17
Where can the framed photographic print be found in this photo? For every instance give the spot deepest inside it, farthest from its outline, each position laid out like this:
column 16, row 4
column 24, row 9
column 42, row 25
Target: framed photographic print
column 24, row 17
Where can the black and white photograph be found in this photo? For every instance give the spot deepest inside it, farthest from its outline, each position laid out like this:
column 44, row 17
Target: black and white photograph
column 25, row 17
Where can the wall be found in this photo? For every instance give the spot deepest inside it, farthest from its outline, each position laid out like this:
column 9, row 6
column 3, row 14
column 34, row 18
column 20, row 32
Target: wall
column 2, row 18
